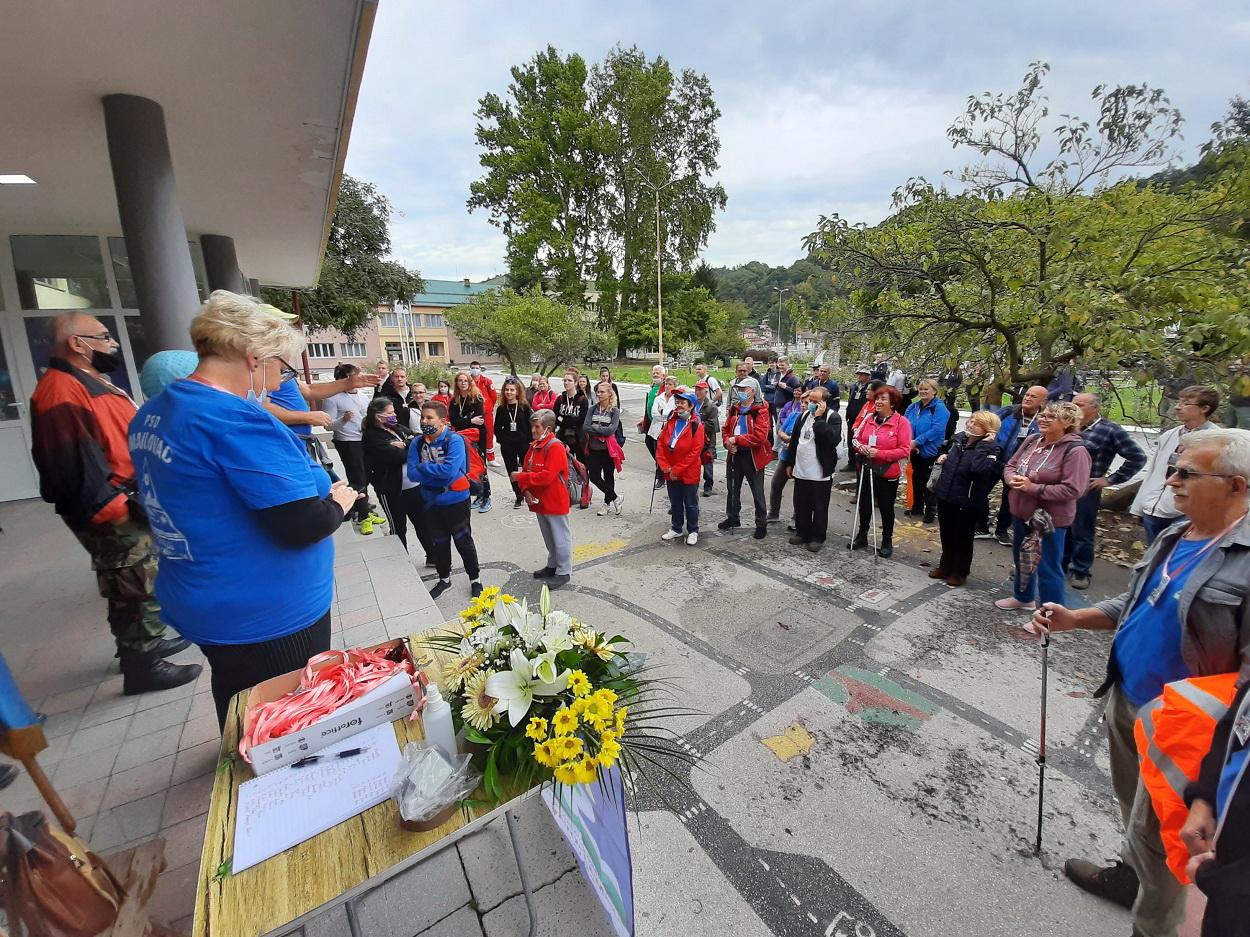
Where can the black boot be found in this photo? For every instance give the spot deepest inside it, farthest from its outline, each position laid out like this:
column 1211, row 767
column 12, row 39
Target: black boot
column 171, row 646
column 886, row 549
column 146, row 673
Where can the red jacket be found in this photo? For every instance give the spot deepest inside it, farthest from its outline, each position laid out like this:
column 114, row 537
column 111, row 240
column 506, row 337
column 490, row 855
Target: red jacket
column 755, row 439
column 78, row 427
column 893, row 441
column 489, row 398
column 682, row 463
column 542, row 476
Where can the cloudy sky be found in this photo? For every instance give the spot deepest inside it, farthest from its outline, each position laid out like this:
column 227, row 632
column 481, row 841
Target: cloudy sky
column 825, row 106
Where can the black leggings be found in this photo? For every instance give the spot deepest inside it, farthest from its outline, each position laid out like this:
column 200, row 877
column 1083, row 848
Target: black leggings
column 923, row 500
column 352, row 453
column 602, row 471
column 448, row 523
column 652, row 445
column 512, row 457
column 238, row 667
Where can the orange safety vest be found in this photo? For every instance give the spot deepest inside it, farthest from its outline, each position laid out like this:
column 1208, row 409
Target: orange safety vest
column 1173, row 734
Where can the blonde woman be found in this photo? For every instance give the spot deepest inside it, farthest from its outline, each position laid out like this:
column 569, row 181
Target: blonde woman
column 928, row 417
column 467, row 415
column 242, row 520
column 1050, row 470
column 970, row 465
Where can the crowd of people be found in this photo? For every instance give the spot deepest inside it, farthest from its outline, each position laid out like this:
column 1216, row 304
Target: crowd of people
column 218, row 475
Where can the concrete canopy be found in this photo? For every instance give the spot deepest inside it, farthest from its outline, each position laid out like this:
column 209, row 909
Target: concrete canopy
column 258, row 101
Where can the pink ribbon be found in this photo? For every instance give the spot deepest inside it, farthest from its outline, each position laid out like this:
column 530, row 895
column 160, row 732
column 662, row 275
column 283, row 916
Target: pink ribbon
column 331, row 679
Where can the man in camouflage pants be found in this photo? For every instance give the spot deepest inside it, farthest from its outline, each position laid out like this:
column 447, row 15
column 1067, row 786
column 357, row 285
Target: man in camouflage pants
column 79, row 421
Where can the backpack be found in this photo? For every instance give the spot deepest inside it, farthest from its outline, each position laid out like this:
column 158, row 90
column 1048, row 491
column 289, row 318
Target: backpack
column 577, row 481
column 477, row 467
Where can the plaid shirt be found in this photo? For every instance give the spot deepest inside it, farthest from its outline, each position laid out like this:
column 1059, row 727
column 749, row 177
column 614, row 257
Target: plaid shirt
column 1105, row 440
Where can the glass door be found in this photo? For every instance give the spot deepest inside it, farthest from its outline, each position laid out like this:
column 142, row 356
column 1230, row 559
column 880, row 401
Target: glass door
column 17, row 473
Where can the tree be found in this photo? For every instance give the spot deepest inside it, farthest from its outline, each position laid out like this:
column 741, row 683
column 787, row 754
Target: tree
column 724, row 331
column 542, row 149
column 705, row 277
column 1050, row 262
column 527, row 327
column 355, row 276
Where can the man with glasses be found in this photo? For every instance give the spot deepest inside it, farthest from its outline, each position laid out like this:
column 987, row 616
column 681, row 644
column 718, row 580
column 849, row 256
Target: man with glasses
column 1153, row 502
column 79, row 420
column 1186, row 614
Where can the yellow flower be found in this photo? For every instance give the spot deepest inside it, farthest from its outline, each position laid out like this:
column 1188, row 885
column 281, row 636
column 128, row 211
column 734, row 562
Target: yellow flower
column 620, row 720
column 595, row 644
column 608, row 753
column 505, row 597
column 478, row 705
column 459, row 669
column 537, row 729
column 579, row 683
column 585, row 771
column 546, row 754
column 578, row 706
column 566, row 774
column 568, row 747
column 489, row 593
column 606, row 695
column 598, row 712
column 564, row 722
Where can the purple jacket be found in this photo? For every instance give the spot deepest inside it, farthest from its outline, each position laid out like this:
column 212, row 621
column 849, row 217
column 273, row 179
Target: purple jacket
column 1058, row 476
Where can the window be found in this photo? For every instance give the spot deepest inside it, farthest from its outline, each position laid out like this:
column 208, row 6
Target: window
column 435, row 349
column 414, row 351
column 353, row 349
column 59, row 272
column 409, row 320
column 393, row 351
column 389, row 319
column 321, row 349
column 434, row 320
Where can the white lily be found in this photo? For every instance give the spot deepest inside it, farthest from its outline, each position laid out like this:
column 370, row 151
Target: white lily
column 545, row 668
column 515, row 689
column 556, row 638
column 544, row 603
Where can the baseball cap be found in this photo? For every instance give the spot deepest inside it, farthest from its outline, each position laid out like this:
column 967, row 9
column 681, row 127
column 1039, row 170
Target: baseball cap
column 275, row 311
column 863, row 369
column 702, row 384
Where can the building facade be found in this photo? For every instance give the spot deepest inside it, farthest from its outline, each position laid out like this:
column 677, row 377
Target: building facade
column 329, row 347
column 419, row 331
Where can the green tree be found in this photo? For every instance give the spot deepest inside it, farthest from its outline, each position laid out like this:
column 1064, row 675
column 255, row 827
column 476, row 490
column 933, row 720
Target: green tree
column 355, row 276
column 705, row 277
column 528, row 327
column 723, row 339
column 1046, row 262
column 541, row 146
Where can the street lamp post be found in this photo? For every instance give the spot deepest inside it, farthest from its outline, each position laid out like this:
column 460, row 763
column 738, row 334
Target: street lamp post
column 659, row 299
column 781, row 290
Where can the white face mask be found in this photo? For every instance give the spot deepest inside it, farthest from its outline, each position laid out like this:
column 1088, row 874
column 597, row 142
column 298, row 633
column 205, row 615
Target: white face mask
column 253, row 395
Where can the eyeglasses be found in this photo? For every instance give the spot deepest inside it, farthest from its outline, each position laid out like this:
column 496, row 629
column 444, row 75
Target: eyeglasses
column 1185, row 474
column 1045, row 416
column 287, row 373
column 102, row 337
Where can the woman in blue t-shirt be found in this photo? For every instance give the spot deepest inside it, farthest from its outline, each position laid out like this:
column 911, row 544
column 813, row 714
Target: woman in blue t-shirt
column 241, row 519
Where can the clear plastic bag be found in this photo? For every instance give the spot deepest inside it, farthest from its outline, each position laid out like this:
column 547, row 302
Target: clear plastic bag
column 429, row 782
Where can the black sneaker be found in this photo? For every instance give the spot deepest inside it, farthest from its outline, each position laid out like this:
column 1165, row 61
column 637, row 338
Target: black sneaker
column 147, row 673
column 545, row 573
column 760, row 533
column 558, row 581
column 1116, row 883
column 796, row 541
column 707, row 492
column 983, row 535
column 1004, row 539
column 727, row 525
column 475, row 589
column 443, row 586
column 168, row 647
column 859, row 543
column 886, row 550
column 659, row 483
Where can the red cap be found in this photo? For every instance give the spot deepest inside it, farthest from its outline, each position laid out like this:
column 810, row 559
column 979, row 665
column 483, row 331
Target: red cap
column 702, row 384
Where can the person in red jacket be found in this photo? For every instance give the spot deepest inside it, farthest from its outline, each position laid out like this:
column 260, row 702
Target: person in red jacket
column 490, row 398
column 542, row 482
column 679, row 455
column 745, row 434
column 882, row 442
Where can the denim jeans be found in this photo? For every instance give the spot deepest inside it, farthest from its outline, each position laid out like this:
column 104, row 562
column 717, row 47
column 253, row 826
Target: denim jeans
column 1078, row 548
column 1046, row 583
column 707, row 473
column 683, row 506
column 1153, row 526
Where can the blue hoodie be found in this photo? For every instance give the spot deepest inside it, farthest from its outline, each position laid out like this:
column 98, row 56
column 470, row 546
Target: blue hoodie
column 928, row 426
column 436, row 464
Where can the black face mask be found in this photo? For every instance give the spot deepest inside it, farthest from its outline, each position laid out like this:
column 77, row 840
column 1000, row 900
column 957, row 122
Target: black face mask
column 106, row 361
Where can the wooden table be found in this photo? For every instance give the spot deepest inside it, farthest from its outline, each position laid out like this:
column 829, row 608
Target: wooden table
column 334, row 867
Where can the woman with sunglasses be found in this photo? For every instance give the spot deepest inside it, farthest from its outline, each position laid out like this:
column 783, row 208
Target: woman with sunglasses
column 1050, row 471
column 242, row 521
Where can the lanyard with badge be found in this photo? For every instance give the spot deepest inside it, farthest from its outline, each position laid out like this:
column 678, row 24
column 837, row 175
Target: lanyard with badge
column 512, row 423
column 1168, row 574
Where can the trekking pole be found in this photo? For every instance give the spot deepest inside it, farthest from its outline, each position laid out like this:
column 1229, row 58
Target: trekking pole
column 872, row 517
column 1041, row 743
column 859, row 493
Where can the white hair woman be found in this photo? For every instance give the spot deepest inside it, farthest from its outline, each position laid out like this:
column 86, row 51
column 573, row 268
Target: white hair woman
column 241, row 519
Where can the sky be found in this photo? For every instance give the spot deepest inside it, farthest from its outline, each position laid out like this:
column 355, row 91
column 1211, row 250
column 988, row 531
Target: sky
column 825, row 107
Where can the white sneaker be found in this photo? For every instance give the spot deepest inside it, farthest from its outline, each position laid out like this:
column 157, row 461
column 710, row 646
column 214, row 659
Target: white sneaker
column 670, row 535
column 603, row 511
column 616, row 505
column 692, row 539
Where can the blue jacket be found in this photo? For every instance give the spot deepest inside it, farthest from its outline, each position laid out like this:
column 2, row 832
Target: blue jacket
column 1007, row 437
column 441, row 466
column 928, row 426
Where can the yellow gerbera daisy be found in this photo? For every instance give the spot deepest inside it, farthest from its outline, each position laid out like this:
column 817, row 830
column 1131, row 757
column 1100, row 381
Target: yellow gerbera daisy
column 459, row 669
column 564, row 722
column 579, row 683
column 608, row 696
column 477, row 703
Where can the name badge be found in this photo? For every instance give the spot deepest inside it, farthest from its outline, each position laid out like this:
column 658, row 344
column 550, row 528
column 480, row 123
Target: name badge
column 1241, row 728
column 512, row 426
column 872, row 440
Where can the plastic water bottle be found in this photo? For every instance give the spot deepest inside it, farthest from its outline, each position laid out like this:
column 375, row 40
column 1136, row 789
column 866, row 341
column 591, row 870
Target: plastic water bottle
column 436, row 721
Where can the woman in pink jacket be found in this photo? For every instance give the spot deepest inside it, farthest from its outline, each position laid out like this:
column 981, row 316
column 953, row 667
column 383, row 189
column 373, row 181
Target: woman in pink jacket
column 882, row 442
column 1050, row 470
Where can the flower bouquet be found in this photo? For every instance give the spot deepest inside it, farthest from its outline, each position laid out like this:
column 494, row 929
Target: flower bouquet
column 541, row 696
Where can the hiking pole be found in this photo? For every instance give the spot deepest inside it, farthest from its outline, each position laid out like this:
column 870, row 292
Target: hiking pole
column 859, row 493
column 1041, row 741
column 872, row 516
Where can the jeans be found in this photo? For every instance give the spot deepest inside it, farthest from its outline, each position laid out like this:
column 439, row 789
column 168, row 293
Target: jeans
column 740, row 468
column 683, row 506
column 558, row 538
column 707, row 472
column 811, row 509
column 1160, row 905
column 1153, row 526
column 882, row 491
column 1238, row 417
column 602, row 472
column 923, row 500
column 1078, row 547
column 1002, row 523
column 1046, row 582
column 956, row 525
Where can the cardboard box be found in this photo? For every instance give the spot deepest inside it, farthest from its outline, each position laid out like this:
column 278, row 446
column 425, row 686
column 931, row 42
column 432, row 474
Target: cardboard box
column 395, row 698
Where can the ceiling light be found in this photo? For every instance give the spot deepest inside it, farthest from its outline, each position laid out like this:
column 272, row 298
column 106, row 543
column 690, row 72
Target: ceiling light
column 16, row 179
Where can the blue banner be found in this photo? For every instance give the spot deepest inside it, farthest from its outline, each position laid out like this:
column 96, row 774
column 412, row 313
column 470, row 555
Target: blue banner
column 592, row 818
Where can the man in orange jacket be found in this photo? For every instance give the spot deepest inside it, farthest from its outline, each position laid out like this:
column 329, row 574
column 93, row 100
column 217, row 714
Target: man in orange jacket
column 78, row 421
column 745, row 434
column 1186, row 614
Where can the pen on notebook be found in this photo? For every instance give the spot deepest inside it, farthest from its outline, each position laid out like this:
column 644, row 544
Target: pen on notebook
column 313, row 759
